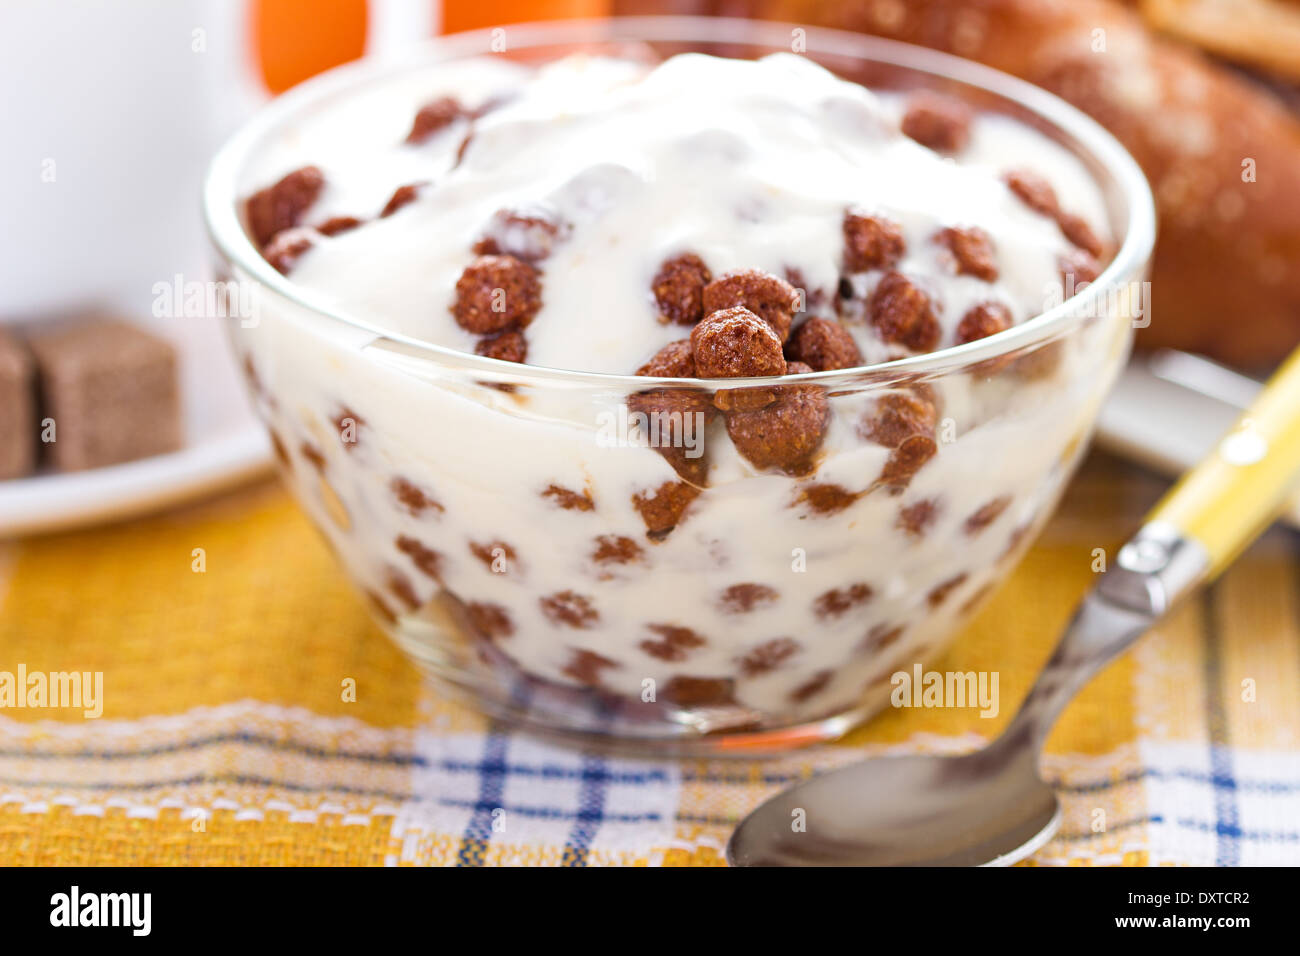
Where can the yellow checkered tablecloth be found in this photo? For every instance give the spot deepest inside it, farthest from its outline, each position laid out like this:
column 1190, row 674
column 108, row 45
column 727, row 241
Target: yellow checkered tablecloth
column 226, row 736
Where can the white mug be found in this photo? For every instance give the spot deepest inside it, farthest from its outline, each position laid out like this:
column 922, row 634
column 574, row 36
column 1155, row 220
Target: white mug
column 111, row 112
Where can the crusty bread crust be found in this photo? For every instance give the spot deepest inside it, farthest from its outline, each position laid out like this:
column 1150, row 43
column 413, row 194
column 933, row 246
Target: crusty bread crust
column 1262, row 33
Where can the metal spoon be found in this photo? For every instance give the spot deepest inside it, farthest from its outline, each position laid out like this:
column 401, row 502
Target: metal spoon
column 989, row 807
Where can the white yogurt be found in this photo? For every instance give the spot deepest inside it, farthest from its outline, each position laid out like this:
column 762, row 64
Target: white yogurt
column 747, row 164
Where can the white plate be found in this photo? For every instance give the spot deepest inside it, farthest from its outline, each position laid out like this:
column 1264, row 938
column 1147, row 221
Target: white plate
column 225, row 445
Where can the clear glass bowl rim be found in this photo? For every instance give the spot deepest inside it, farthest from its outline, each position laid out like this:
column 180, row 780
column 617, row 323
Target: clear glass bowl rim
column 221, row 197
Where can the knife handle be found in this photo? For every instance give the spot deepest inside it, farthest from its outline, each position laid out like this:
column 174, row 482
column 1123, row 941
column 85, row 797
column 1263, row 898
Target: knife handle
column 1228, row 499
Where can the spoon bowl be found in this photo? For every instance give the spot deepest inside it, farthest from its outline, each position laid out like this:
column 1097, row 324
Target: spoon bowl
column 985, row 808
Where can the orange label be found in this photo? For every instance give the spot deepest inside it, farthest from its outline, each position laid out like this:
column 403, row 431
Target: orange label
column 460, row 15
column 296, row 39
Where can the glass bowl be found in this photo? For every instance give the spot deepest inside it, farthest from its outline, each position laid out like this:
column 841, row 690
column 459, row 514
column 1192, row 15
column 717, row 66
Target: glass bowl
column 522, row 544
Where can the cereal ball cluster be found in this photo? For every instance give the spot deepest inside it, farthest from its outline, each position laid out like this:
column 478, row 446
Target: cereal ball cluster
column 735, row 343
column 746, row 321
column 769, row 297
column 500, row 291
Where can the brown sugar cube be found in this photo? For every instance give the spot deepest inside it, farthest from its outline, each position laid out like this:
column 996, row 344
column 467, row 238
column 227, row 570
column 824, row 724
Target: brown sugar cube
column 112, row 390
column 17, row 409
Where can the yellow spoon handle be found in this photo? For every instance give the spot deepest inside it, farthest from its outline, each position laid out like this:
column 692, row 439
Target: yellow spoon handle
column 1205, row 521
column 1231, row 496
